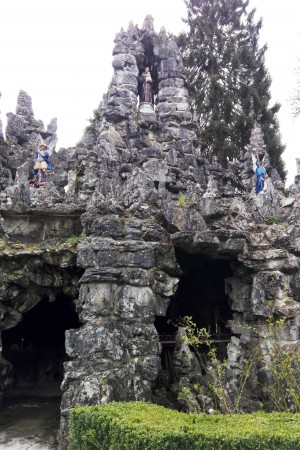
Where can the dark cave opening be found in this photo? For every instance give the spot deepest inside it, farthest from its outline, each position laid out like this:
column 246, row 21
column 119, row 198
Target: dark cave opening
column 201, row 292
column 201, row 295
column 36, row 346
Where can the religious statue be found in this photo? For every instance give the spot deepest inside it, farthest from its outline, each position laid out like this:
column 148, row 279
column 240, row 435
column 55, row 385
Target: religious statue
column 146, row 89
column 40, row 166
column 261, row 176
column 41, row 162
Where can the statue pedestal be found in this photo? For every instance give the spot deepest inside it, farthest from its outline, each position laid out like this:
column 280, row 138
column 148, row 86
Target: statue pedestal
column 146, row 108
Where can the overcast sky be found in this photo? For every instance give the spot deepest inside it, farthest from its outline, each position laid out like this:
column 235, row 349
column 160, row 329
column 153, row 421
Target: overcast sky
column 60, row 53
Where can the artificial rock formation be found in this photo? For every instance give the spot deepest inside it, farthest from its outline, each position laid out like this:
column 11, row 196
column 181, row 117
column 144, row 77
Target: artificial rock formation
column 163, row 233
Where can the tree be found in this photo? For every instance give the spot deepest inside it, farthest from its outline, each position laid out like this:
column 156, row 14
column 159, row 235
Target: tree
column 227, row 79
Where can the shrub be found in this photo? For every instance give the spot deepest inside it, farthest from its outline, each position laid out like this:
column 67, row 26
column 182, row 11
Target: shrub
column 182, row 200
column 284, row 367
column 271, row 220
column 142, row 426
column 280, row 359
column 215, row 369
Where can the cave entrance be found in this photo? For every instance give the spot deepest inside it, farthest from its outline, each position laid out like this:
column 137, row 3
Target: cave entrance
column 200, row 295
column 36, row 346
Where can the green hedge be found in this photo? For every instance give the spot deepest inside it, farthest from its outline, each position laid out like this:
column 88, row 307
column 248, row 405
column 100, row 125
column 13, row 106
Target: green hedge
column 143, row 426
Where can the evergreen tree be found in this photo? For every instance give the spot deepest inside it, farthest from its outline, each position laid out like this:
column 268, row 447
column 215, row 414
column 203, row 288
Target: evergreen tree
column 227, row 79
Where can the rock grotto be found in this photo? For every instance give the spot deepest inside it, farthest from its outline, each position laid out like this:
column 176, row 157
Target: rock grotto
column 134, row 229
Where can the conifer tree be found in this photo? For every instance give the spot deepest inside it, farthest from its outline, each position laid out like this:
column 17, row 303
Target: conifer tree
column 227, row 79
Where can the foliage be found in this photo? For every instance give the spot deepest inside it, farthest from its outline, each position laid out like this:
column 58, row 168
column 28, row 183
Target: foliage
column 227, row 79
column 32, row 248
column 97, row 116
column 283, row 364
column 150, row 220
column 271, row 220
column 181, row 199
column 142, row 426
column 215, row 368
column 51, row 246
column 73, row 239
column 93, row 121
column 190, row 398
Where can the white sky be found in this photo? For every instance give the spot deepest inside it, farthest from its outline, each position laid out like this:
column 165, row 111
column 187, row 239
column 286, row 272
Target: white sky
column 60, row 53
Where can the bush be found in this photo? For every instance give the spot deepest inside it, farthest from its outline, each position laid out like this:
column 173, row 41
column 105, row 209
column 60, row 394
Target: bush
column 283, row 364
column 215, row 371
column 280, row 359
column 142, row 426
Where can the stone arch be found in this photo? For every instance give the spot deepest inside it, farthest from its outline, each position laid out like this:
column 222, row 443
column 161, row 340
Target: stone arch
column 39, row 287
column 33, row 358
column 147, row 59
column 201, row 291
column 201, row 294
column 35, row 348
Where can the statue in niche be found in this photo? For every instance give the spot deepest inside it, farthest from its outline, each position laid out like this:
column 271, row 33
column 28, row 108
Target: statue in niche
column 146, row 87
column 260, row 173
column 41, row 162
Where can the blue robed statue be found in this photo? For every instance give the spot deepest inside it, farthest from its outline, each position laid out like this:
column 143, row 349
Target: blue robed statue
column 261, row 176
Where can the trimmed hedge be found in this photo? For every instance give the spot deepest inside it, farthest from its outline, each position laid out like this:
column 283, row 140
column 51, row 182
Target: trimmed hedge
column 144, row 426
